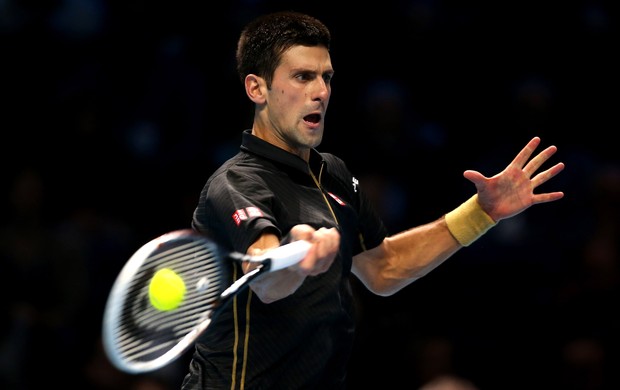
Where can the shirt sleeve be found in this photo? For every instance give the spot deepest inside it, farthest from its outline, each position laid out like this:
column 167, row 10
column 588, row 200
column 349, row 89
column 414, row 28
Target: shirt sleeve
column 234, row 209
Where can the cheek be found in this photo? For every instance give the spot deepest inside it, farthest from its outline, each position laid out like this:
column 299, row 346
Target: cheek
column 286, row 99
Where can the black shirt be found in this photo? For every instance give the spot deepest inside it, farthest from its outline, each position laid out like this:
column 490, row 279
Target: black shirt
column 304, row 340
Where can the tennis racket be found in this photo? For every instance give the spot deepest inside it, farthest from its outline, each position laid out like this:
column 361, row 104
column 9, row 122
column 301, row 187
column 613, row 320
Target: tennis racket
column 139, row 338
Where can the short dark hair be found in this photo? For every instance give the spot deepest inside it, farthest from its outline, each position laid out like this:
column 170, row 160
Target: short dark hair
column 263, row 41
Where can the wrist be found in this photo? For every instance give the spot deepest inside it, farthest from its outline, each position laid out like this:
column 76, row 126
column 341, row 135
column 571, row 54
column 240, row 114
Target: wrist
column 469, row 221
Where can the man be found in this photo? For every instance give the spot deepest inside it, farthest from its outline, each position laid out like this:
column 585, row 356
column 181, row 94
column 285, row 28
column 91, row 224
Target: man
column 294, row 328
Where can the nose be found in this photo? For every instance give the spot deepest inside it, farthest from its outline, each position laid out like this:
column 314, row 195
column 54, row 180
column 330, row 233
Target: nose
column 323, row 90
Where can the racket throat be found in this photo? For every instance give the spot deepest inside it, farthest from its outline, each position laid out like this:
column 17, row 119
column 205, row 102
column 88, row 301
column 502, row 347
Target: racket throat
column 245, row 280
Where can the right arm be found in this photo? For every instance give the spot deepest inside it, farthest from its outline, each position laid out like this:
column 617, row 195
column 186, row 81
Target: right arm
column 279, row 284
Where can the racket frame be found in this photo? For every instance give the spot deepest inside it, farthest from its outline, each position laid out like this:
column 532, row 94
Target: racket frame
column 118, row 299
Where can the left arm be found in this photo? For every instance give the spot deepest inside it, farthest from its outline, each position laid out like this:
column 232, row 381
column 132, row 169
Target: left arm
column 404, row 257
column 401, row 259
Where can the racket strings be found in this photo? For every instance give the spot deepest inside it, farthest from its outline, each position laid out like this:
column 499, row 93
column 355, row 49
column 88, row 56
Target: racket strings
column 144, row 333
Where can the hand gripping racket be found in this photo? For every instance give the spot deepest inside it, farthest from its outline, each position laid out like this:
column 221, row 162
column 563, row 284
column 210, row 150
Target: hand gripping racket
column 137, row 337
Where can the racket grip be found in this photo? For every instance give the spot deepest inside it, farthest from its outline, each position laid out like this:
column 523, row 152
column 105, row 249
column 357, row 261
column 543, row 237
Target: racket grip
column 287, row 254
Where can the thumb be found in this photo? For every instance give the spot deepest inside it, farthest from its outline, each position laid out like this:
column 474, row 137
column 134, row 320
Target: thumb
column 474, row 176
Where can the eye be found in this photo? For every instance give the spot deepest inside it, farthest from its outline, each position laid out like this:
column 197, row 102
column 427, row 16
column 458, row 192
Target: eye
column 304, row 76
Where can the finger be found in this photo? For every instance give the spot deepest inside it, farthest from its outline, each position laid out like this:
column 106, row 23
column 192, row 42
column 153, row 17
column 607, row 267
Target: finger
column 526, row 152
column 539, row 160
column 302, row 232
column 547, row 197
column 474, row 176
column 327, row 242
column 544, row 176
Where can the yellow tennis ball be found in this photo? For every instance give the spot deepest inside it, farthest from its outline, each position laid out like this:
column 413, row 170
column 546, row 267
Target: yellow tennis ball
column 166, row 290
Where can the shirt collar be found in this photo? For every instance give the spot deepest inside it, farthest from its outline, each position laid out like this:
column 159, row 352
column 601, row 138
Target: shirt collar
column 253, row 144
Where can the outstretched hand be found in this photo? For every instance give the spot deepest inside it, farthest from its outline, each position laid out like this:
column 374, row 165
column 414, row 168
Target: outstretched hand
column 512, row 191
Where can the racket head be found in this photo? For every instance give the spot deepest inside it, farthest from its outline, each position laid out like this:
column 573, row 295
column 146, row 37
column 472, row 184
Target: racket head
column 137, row 337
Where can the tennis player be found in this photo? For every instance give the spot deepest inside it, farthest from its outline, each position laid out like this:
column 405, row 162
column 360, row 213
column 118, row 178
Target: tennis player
column 294, row 328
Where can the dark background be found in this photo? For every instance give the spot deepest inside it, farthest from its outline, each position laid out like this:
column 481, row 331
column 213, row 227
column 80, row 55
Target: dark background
column 115, row 113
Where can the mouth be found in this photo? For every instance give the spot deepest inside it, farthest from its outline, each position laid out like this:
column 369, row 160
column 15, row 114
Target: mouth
column 313, row 118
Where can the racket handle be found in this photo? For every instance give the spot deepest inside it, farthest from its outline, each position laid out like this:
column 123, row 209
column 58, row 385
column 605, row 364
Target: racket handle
column 287, row 254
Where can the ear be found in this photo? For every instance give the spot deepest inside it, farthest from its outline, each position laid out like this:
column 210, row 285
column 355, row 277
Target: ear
column 255, row 88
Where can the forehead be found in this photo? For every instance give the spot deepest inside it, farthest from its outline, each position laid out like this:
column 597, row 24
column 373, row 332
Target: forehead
column 315, row 58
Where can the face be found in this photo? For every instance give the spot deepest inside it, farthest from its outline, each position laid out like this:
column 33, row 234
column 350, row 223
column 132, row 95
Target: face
column 296, row 104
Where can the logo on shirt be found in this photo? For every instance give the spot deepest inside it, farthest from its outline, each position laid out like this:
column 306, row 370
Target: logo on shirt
column 245, row 214
column 337, row 199
column 355, row 184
